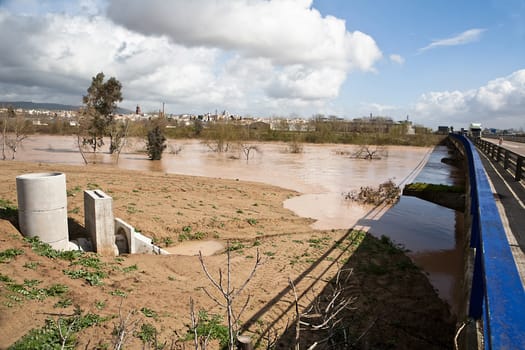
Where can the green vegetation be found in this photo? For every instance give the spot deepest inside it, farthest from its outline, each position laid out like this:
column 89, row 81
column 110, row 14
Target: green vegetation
column 98, row 118
column 29, row 290
column 130, row 268
column 149, row 312
column 186, row 235
column 59, row 333
column 44, row 249
column 94, row 278
column 118, row 293
column 209, row 326
column 31, row 265
column 233, row 246
column 73, row 192
column 147, row 333
column 9, row 254
column 421, row 187
column 63, row 303
column 251, row 221
column 7, row 210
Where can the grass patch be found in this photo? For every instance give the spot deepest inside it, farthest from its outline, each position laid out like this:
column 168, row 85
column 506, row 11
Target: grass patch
column 233, row 246
column 9, row 254
column 209, row 326
column 127, row 269
column 29, row 290
column 423, row 187
column 59, row 333
column 149, row 312
column 63, row 303
column 94, row 278
column 252, row 221
column 73, row 192
column 44, row 249
column 118, row 293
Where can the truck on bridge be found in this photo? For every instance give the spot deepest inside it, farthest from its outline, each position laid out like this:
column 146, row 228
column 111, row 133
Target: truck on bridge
column 474, row 130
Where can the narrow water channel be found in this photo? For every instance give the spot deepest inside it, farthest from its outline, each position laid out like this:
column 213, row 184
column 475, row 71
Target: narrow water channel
column 434, row 235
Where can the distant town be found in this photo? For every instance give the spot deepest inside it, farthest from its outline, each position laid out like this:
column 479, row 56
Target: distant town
column 44, row 114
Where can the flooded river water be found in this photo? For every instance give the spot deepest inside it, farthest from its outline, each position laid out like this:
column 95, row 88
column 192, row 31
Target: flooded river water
column 321, row 173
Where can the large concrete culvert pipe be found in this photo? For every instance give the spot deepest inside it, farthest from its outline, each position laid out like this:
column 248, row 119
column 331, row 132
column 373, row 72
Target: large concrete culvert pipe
column 42, row 208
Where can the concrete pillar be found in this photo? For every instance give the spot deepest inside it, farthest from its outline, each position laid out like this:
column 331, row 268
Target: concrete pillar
column 99, row 222
column 42, row 208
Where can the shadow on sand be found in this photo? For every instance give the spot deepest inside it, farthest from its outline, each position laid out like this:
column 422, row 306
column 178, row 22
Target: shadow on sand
column 389, row 303
column 75, row 229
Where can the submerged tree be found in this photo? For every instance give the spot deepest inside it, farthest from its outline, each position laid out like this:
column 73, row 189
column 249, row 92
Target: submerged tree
column 100, row 104
column 15, row 130
column 156, row 141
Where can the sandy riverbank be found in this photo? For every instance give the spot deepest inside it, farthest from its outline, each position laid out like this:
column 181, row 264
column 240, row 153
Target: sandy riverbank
column 395, row 306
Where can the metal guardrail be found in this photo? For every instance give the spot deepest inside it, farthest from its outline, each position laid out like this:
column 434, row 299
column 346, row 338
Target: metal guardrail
column 510, row 161
column 497, row 295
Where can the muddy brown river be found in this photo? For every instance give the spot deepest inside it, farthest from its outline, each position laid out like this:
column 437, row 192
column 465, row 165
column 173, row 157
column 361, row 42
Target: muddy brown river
column 321, row 173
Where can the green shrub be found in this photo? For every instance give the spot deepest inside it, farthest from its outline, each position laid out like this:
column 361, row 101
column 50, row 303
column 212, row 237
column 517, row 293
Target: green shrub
column 156, row 143
column 149, row 312
column 9, row 254
column 209, row 326
column 94, row 278
column 57, row 334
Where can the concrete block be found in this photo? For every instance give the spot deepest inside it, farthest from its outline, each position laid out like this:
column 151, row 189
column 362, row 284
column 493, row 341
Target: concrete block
column 124, row 234
column 135, row 242
column 99, row 221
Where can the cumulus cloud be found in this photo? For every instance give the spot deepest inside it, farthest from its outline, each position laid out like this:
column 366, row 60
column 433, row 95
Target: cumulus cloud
column 307, row 56
column 285, row 31
column 397, row 59
column 498, row 104
column 466, row 37
column 252, row 56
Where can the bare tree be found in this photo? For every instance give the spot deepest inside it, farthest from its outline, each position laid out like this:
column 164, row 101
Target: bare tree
column 228, row 293
column 120, row 139
column 370, row 152
column 295, row 146
column 200, row 341
column 247, row 149
column 219, row 136
column 15, row 131
column 124, row 328
column 326, row 313
column 4, row 134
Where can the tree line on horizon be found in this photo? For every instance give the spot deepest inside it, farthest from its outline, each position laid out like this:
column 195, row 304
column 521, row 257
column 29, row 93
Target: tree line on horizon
column 97, row 120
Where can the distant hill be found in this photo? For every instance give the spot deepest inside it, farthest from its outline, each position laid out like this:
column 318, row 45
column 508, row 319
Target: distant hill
column 49, row 106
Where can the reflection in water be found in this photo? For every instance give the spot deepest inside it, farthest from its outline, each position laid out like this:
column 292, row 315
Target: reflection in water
column 321, row 174
column 433, row 234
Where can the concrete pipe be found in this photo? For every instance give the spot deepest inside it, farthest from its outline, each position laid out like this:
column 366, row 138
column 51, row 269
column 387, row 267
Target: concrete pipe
column 42, row 208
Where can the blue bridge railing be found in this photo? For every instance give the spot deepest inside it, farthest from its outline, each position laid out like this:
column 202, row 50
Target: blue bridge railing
column 497, row 296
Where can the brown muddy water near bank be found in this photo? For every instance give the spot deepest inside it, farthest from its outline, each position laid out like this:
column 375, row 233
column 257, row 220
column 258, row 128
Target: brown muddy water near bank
column 321, row 174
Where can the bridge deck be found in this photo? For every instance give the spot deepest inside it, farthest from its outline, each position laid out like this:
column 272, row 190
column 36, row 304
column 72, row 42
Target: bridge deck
column 516, row 147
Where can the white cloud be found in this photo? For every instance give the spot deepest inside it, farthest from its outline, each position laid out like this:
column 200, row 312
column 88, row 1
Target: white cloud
column 498, row 104
column 247, row 56
column 397, row 59
column 466, row 37
column 287, row 32
column 306, row 56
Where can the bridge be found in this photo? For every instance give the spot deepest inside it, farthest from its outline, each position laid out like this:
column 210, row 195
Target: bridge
column 497, row 242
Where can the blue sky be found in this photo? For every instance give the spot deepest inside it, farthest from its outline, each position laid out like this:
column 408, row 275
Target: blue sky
column 406, row 27
column 439, row 62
